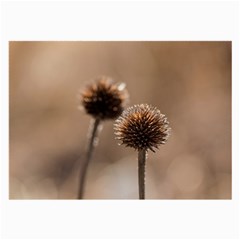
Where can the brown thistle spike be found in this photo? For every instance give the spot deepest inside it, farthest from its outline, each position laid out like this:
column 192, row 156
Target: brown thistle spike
column 103, row 99
column 142, row 127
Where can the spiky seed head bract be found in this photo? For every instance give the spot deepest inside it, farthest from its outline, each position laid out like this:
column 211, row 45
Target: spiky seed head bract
column 104, row 99
column 142, row 127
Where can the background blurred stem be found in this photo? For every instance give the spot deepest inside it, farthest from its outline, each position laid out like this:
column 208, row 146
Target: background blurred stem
column 141, row 172
column 94, row 126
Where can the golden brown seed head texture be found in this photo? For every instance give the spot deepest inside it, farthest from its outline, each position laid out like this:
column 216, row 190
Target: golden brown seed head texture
column 104, row 99
column 142, row 127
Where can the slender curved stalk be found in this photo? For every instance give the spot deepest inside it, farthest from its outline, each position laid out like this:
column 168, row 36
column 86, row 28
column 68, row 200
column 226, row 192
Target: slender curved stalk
column 94, row 127
column 141, row 172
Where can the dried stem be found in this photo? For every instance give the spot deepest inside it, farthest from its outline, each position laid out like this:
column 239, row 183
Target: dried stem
column 94, row 127
column 141, row 172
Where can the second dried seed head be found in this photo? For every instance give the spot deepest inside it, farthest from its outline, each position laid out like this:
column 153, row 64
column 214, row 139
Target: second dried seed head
column 104, row 99
column 142, row 127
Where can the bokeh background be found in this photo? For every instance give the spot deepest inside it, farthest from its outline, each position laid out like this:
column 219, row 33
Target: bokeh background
column 190, row 82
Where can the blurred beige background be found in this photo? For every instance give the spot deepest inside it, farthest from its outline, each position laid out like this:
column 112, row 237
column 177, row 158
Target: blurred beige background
column 190, row 82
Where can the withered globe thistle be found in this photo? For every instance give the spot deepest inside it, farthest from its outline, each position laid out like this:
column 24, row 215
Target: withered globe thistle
column 142, row 127
column 104, row 99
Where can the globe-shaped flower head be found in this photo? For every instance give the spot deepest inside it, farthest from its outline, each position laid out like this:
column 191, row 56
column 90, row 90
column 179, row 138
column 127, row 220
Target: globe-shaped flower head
column 142, row 127
column 104, row 99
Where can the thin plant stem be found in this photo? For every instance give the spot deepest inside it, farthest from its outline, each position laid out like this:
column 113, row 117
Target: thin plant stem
column 94, row 127
column 141, row 172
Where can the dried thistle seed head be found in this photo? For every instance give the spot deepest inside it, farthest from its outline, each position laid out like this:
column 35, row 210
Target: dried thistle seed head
column 142, row 127
column 104, row 99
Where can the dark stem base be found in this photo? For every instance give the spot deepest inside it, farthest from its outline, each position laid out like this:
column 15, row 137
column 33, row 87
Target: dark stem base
column 92, row 141
column 141, row 172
